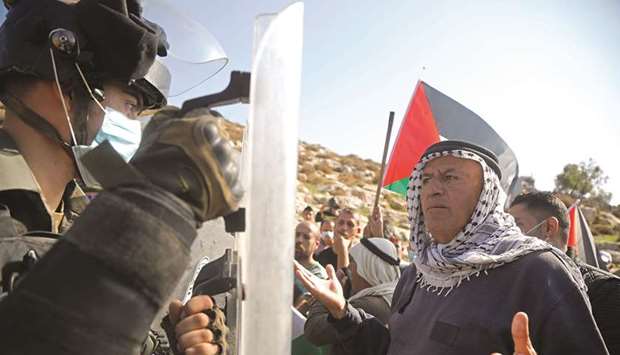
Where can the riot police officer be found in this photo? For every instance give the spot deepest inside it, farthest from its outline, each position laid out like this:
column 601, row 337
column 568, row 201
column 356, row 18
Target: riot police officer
column 97, row 288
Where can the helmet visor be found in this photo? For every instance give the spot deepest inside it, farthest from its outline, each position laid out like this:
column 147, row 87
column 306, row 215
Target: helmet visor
column 194, row 54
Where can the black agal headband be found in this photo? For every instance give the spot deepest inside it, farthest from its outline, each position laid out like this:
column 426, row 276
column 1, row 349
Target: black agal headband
column 489, row 157
column 379, row 253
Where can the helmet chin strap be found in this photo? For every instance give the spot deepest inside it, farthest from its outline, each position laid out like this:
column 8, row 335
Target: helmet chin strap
column 62, row 96
column 82, row 96
column 33, row 119
column 80, row 104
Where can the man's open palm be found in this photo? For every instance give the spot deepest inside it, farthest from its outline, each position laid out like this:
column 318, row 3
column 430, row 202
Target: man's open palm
column 328, row 292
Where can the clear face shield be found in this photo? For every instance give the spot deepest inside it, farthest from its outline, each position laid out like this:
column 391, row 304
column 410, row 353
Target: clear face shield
column 194, row 56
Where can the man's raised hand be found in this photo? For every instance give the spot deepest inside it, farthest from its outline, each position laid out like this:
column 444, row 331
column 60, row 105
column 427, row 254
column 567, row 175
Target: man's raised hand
column 328, row 292
column 375, row 223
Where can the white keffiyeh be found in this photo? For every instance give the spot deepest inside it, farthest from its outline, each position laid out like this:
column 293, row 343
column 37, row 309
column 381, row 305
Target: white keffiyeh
column 489, row 240
column 381, row 276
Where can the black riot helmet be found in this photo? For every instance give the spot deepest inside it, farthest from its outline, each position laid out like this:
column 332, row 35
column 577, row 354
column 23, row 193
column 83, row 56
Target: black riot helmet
column 154, row 87
column 78, row 44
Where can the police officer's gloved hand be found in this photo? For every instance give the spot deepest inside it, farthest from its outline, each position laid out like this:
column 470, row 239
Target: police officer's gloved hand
column 191, row 158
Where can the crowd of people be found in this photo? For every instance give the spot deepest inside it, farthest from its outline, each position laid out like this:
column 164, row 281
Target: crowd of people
column 477, row 270
column 77, row 277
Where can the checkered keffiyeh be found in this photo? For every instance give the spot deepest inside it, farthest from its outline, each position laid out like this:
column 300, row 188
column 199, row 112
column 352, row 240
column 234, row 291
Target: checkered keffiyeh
column 489, row 240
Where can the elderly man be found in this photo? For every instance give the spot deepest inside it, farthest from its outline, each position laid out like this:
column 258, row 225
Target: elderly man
column 473, row 272
column 543, row 215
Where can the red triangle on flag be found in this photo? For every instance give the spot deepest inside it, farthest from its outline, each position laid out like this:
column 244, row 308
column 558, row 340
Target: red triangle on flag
column 417, row 132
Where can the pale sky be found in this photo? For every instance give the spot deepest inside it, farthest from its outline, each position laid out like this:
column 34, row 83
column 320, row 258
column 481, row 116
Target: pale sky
column 544, row 74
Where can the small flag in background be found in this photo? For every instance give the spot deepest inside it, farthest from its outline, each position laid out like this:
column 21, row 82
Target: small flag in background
column 580, row 237
column 432, row 115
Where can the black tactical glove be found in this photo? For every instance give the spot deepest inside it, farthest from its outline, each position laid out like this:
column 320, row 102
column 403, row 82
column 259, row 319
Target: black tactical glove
column 191, row 158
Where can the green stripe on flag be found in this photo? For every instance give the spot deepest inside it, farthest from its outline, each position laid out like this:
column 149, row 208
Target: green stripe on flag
column 400, row 186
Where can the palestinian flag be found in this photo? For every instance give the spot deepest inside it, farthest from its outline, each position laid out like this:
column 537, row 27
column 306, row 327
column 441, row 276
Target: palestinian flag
column 580, row 238
column 300, row 345
column 431, row 117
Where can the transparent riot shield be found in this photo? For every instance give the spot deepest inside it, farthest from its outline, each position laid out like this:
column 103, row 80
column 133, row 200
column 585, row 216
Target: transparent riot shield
column 270, row 174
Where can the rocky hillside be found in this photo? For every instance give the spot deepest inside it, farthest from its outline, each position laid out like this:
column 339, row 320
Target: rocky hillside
column 350, row 179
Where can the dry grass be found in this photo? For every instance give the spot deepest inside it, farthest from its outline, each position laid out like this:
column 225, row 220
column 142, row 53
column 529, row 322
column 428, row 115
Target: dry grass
column 313, row 147
column 316, row 179
column 398, row 205
column 348, row 179
column 306, row 169
column 354, row 162
column 327, row 155
column 324, row 167
column 338, row 191
column 607, row 238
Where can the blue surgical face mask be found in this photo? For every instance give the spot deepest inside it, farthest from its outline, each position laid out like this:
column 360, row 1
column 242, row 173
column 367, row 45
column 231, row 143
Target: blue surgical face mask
column 124, row 134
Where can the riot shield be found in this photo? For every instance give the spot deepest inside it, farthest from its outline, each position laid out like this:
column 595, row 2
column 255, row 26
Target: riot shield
column 270, row 175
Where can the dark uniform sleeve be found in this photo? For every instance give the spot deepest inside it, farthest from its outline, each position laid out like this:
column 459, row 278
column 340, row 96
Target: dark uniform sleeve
column 99, row 288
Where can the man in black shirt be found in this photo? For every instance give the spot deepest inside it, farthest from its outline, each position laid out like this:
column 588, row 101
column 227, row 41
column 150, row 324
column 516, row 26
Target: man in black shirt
column 346, row 234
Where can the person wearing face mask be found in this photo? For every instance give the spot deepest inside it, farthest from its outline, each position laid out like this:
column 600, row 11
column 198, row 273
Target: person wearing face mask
column 327, row 235
column 543, row 215
column 122, row 106
column 94, row 288
column 375, row 271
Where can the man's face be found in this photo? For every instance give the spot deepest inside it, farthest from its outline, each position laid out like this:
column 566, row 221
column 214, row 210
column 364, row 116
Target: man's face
column 307, row 215
column 534, row 223
column 526, row 219
column 357, row 282
column 118, row 97
column 346, row 225
column 122, row 99
column 327, row 227
column 450, row 191
column 306, row 240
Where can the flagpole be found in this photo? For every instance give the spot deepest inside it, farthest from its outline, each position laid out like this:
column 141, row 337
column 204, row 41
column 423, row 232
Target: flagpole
column 385, row 150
